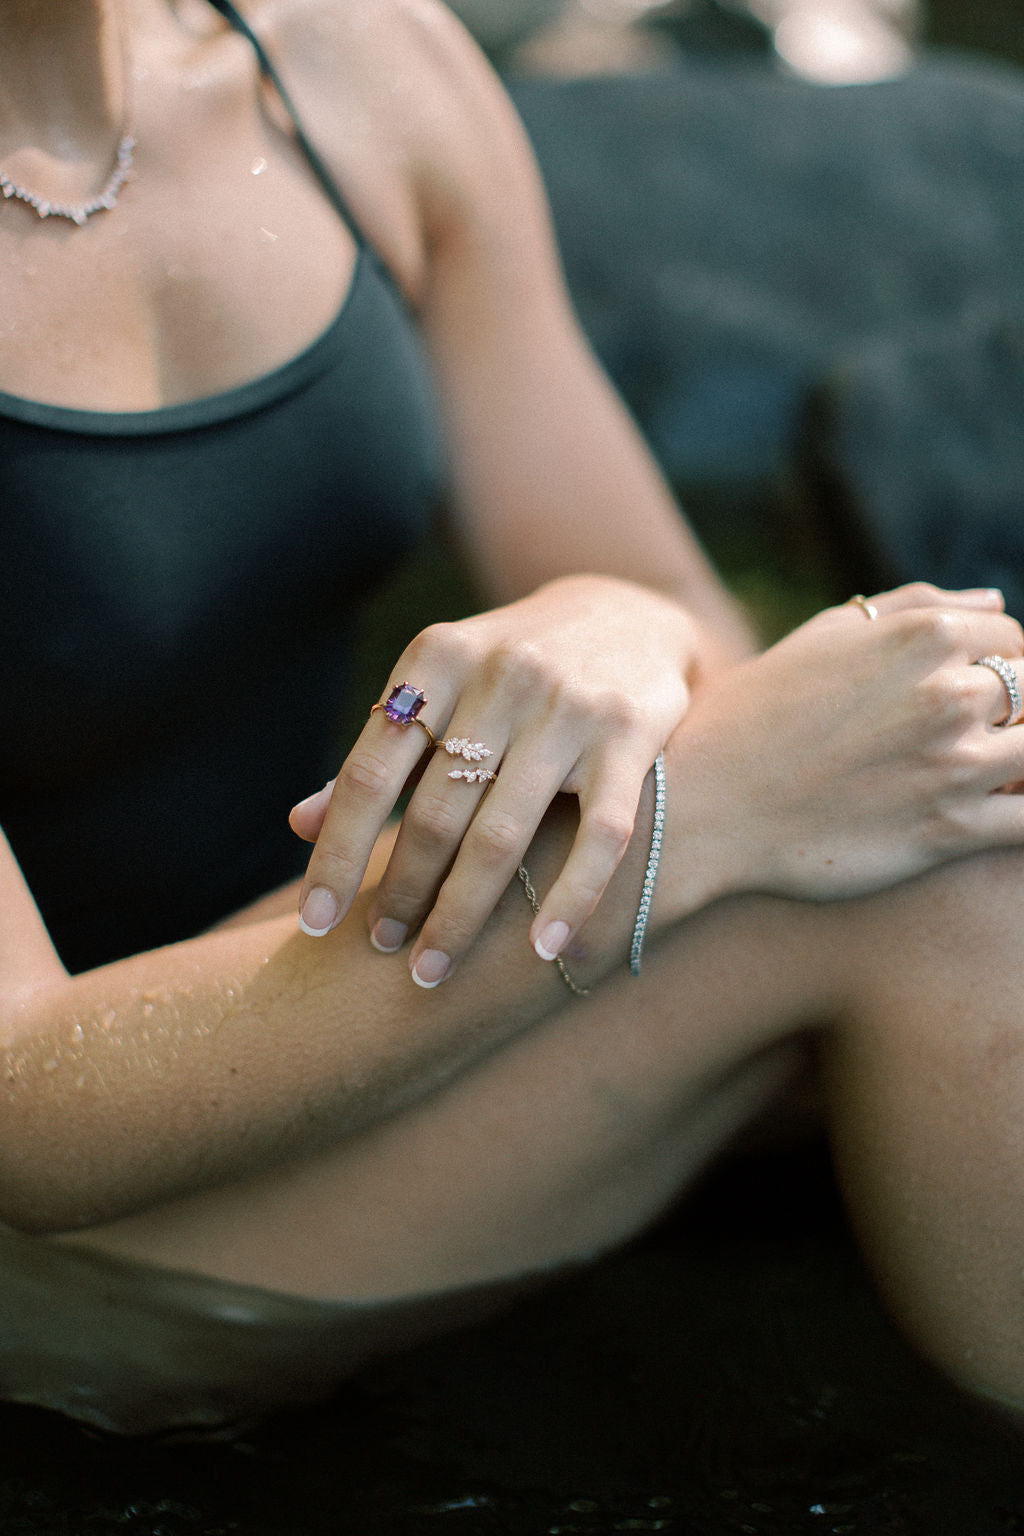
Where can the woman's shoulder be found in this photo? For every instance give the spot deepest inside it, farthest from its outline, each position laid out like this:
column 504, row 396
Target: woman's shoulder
column 400, row 82
column 408, row 46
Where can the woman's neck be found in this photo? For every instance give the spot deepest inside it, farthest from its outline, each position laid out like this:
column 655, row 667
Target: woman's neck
column 64, row 68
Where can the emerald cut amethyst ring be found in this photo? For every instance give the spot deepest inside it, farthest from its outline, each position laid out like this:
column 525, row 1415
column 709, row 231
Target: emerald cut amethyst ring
column 403, row 705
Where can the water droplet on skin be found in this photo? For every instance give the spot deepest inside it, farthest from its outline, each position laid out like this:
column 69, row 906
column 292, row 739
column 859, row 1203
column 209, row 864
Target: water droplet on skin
column 268, row 235
column 258, row 166
column 78, row 1034
column 108, row 1019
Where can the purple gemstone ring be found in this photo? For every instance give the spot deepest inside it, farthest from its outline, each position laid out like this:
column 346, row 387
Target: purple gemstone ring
column 403, row 705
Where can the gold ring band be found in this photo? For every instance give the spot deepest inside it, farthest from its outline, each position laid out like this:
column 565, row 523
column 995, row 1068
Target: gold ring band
column 867, row 609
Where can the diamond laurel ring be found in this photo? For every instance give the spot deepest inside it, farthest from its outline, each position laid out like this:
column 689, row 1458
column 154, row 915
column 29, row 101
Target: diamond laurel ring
column 1008, row 677
column 403, row 705
column 471, row 752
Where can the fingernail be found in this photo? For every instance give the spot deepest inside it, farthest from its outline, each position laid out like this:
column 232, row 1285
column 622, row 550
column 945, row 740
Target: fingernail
column 551, row 940
column 431, row 968
column 387, row 935
column 319, row 912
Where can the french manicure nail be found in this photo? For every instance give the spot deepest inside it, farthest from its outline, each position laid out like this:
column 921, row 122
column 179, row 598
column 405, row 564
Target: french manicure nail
column 551, row 940
column 319, row 912
column 431, row 968
column 387, row 935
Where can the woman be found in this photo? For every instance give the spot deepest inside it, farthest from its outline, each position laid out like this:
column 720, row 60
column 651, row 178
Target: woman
column 265, row 1151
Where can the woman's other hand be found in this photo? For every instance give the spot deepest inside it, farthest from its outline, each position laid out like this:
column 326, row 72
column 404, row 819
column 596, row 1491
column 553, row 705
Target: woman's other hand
column 851, row 755
column 574, row 690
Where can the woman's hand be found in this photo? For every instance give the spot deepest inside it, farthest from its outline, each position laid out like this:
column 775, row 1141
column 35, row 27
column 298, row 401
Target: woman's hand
column 851, row 755
column 573, row 689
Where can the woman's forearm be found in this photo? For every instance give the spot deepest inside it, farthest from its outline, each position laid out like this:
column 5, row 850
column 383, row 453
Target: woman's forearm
column 208, row 1060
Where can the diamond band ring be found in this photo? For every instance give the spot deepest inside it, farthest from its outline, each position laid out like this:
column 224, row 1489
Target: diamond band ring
column 1008, row 677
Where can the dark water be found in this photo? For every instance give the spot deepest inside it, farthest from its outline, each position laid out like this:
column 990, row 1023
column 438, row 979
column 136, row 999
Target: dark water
column 729, row 1374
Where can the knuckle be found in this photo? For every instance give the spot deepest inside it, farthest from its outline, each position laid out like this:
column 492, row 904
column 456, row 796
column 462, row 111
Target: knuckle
column 399, row 900
column 439, row 649
column 962, row 766
column 921, row 594
column 431, row 822
column 939, row 630
column 610, row 830
column 952, row 698
column 516, row 664
column 451, row 927
column 584, row 892
column 948, row 824
column 496, row 839
column 366, row 774
column 334, row 867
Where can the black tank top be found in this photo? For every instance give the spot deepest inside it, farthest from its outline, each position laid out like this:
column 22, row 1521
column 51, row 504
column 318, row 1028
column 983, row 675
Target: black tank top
column 177, row 591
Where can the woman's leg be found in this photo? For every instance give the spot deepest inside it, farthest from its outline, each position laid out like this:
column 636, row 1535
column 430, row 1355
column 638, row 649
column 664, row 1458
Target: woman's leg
column 562, row 1143
column 578, row 1133
column 926, row 1086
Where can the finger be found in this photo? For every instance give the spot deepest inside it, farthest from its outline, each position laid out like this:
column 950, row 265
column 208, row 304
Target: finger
column 962, row 636
column 368, row 785
column 436, row 820
column 998, row 822
column 915, row 595
column 923, row 594
column 607, row 822
column 307, row 818
column 487, row 859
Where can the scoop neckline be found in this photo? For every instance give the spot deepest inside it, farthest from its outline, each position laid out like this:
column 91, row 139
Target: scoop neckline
column 204, row 410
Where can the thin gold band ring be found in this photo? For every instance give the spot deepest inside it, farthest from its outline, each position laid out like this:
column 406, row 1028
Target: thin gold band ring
column 867, row 609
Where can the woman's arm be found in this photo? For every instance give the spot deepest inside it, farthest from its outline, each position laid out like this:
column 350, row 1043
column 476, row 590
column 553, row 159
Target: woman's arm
column 550, row 475
column 551, row 488
column 847, row 757
column 208, row 1060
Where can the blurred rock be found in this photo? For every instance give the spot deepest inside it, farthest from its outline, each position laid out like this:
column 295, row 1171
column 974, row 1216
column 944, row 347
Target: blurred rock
column 708, row 26
column 917, row 441
column 730, row 234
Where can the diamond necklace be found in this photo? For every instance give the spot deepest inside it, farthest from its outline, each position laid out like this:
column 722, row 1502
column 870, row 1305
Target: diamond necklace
column 108, row 193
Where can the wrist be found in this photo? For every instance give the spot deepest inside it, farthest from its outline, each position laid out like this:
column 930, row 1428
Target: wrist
column 708, row 852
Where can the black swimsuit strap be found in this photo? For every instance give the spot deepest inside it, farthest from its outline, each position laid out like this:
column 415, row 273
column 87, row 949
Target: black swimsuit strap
column 269, row 71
